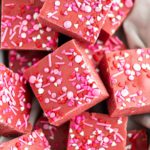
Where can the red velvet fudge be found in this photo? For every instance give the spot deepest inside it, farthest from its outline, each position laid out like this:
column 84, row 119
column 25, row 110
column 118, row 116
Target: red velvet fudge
column 56, row 136
column 116, row 15
column 137, row 140
column 66, row 83
column 80, row 19
column 20, row 28
column 127, row 76
column 96, row 51
column 14, row 102
column 97, row 132
column 19, row 61
column 31, row 141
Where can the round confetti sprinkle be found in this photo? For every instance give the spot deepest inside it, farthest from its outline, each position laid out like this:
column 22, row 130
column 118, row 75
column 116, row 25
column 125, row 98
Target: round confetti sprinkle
column 124, row 92
column 52, row 79
column 78, row 59
column 67, row 24
column 46, row 100
column 88, row 8
column 96, row 92
column 52, row 115
column 23, row 35
column 40, row 91
column 129, row 3
column 57, row 3
column 136, row 67
column 69, row 94
column 32, row 79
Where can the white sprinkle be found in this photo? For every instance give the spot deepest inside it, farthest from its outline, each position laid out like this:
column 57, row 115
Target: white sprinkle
column 124, row 92
column 88, row 8
column 40, row 91
column 136, row 67
column 57, row 3
column 78, row 59
column 67, row 24
column 23, row 35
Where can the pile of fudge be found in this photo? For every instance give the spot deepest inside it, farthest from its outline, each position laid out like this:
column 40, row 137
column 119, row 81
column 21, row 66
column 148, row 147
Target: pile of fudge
column 67, row 55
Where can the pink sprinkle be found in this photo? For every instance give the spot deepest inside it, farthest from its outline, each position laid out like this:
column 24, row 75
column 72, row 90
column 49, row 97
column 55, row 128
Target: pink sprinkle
column 52, row 115
column 96, row 92
column 32, row 79
column 52, row 79
column 36, row 27
column 28, row 105
column 25, row 22
column 129, row 3
column 28, row 17
column 69, row 94
column 67, row 24
column 46, row 126
column 53, row 95
column 46, row 100
column 46, row 70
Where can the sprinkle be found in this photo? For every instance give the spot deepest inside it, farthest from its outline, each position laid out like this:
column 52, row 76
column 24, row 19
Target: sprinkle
column 69, row 94
column 124, row 92
column 52, row 115
column 57, row 3
column 32, row 79
column 129, row 3
column 40, row 91
column 104, row 124
column 87, row 124
column 78, row 59
column 96, row 92
column 67, row 24
column 136, row 67
column 117, row 74
column 88, row 8
column 46, row 100
column 49, row 60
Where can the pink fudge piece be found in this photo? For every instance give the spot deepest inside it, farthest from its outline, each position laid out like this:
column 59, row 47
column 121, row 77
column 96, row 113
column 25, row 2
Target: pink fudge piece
column 14, row 102
column 31, row 141
column 97, row 132
column 137, row 140
column 19, row 61
column 20, row 28
column 117, row 14
column 66, row 83
column 96, row 51
column 127, row 75
column 56, row 136
column 80, row 19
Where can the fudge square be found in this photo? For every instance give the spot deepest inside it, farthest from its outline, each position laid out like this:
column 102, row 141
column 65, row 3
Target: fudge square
column 14, row 103
column 97, row 132
column 65, row 83
column 117, row 14
column 80, row 19
column 56, row 136
column 20, row 60
column 31, row 141
column 20, row 28
column 127, row 76
column 137, row 140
